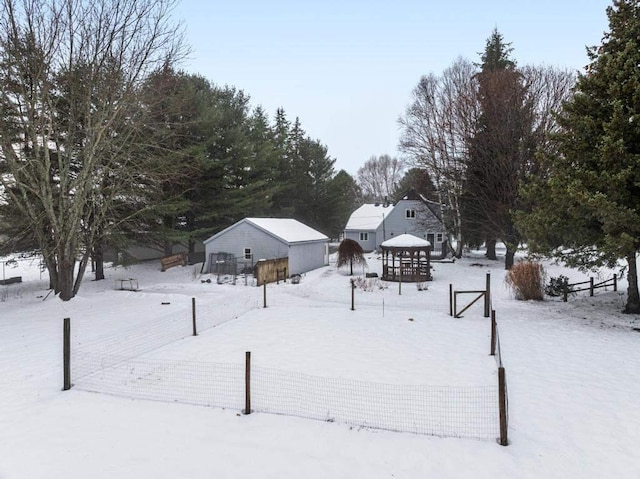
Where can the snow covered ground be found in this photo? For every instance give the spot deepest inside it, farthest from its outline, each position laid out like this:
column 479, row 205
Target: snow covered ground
column 572, row 373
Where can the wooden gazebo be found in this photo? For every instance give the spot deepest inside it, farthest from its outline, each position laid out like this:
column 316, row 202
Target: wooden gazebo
column 406, row 258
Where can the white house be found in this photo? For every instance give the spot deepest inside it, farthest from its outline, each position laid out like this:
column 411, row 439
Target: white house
column 252, row 239
column 372, row 224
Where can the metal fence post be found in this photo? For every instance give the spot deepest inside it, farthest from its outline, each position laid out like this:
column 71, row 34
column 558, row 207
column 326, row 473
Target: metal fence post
column 450, row 299
column 493, row 332
column 247, row 383
column 265, row 294
column 487, row 296
column 66, row 353
column 353, row 294
column 193, row 315
column 591, row 286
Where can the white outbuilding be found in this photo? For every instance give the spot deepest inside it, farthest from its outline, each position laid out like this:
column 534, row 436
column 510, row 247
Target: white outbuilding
column 253, row 239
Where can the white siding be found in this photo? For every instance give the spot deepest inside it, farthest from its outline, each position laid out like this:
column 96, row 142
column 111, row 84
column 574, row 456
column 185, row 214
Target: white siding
column 368, row 245
column 397, row 223
column 245, row 235
column 306, row 257
column 303, row 256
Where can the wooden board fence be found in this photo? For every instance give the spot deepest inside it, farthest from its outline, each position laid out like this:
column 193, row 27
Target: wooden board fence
column 272, row 270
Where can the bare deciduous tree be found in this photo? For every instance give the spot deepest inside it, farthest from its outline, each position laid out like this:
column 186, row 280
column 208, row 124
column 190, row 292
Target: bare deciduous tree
column 380, row 176
column 70, row 137
column 436, row 128
column 444, row 117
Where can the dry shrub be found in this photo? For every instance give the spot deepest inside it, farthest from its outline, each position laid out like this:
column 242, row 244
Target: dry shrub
column 526, row 279
column 368, row 284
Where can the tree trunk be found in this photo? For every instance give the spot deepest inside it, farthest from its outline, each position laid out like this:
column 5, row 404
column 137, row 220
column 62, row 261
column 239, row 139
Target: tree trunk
column 98, row 258
column 351, row 266
column 633, row 297
column 82, row 266
column 64, row 284
column 491, row 249
column 509, row 258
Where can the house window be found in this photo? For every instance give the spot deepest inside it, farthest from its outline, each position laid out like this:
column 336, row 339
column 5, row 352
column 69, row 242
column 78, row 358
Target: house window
column 410, row 213
column 439, row 238
column 364, row 236
column 247, row 253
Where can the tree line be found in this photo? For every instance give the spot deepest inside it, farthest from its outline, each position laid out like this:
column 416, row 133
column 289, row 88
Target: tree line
column 103, row 141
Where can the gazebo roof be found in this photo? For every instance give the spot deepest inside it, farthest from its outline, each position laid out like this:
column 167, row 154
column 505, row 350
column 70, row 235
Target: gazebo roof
column 406, row 241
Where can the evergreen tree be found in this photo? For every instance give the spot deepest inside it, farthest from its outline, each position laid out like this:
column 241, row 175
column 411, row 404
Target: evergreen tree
column 419, row 180
column 316, row 204
column 500, row 151
column 587, row 207
column 345, row 188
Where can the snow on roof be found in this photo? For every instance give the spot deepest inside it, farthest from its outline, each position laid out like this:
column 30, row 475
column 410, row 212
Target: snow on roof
column 368, row 217
column 287, row 229
column 406, row 241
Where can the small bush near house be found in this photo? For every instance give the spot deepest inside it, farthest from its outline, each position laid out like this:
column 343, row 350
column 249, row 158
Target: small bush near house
column 556, row 286
column 526, row 279
column 368, row 284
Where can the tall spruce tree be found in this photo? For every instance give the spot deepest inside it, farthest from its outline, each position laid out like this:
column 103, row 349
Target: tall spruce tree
column 500, row 151
column 588, row 205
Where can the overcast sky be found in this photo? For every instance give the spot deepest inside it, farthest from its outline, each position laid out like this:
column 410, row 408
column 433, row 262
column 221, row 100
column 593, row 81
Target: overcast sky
column 347, row 68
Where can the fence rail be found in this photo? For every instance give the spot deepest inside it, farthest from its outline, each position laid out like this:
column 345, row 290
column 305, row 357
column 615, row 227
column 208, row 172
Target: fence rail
column 570, row 288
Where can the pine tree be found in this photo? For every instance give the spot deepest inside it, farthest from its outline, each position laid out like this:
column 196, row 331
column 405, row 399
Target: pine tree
column 589, row 202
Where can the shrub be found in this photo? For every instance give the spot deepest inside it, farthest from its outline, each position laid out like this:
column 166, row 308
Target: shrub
column 368, row 284
column 556, row 286
column 526, row 279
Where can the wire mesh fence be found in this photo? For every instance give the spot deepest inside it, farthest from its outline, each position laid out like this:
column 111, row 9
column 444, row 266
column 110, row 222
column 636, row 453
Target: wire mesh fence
column 147, row 334
column 115, row 364
column 462, row 412
column 466, row 412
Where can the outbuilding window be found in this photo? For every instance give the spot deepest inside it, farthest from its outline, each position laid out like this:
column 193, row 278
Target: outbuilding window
column 410, row 213
column 439, row 237
column 247, row 253
column 364, row 236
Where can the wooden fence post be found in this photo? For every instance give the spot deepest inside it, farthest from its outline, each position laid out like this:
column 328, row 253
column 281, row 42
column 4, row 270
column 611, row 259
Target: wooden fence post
column 591, row 286
column 615, row 282
column 493, row 332
column 502, row 398
column 450, row 299
column 487, row 297
column 66, row 354
column 565, row 292
column 193, row 315
column 247, row 383
column 265, row 293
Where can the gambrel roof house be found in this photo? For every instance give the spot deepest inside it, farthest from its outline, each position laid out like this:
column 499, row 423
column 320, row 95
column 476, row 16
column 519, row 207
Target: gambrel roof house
column 252, row 239
column 371, row 224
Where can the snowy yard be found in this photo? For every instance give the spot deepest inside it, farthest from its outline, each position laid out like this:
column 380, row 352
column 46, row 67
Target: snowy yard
column 572, row 373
